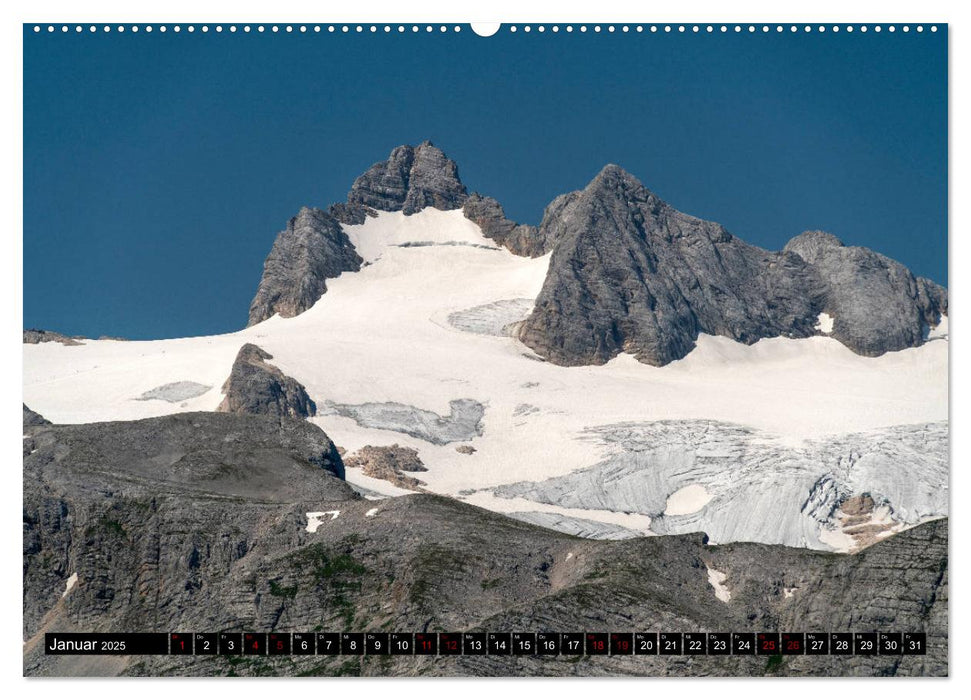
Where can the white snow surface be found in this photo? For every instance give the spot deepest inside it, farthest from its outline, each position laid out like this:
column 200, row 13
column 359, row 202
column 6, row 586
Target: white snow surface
column 384, row 335
column 824, row 323
column 687, row 500
column 71, row 582
column 318, row 518
column 938, row 331
column 717, row 581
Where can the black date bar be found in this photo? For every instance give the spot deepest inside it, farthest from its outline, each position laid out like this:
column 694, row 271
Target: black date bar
column 107, row 643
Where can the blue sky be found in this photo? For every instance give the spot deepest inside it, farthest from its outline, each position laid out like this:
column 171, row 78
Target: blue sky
column 158, row 168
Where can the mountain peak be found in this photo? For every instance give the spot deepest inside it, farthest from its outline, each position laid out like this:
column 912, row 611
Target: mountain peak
column 412, row 178
column 613, row 175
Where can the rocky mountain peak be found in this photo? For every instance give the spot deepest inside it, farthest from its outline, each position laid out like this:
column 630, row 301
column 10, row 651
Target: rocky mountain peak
column 629, row 273
column 412, row 178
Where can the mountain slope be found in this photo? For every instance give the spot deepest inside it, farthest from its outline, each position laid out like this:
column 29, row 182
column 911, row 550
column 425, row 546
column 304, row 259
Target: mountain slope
column 113, row 545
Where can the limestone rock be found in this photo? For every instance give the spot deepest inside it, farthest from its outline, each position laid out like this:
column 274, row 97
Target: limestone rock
column 388, row 462
column 412, row 178
column 312, row 249
column 629, row 273
column 259, row 388
column 36, row 335
column 877, row 304
column 33, row 419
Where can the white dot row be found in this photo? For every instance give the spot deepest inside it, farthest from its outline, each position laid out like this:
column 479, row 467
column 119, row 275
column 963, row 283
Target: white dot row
column 303, row 28
column 316, row 28
column 709, row 28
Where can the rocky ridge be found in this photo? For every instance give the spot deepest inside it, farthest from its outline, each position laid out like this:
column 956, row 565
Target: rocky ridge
column 312, row 249
column 630, row 274
column 202, row 522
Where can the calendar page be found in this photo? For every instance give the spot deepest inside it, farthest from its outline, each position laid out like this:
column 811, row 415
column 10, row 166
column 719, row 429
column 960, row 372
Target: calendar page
column 544, row 349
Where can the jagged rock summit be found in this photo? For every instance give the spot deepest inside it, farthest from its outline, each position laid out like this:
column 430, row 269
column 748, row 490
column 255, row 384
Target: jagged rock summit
column 314, row 248
column 629, row 273
column 411, row 179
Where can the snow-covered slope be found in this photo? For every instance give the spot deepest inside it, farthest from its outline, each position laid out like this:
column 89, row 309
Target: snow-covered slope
column 414, row 349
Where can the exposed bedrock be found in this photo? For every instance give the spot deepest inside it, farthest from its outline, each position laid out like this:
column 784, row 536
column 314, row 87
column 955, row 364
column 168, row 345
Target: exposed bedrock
column 629, row 273
column 412, row 178
column 388, row 462
column 259, row 388
column 312, row 249
column 876, row 303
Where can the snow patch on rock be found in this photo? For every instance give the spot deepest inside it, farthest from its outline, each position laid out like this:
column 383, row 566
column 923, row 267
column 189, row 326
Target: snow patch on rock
column 71, row 582
column 317, row 518
column 824, row 323
column 716, row 580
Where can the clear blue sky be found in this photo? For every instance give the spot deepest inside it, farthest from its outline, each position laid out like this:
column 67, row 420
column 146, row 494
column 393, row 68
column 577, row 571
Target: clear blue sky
column 158, row 168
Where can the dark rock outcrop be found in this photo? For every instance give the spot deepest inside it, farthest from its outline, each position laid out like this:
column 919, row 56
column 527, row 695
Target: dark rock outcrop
column 877, row 304
column 34, row 336
column 33, row 419
column 388, row 462
column 258, row 388
column 312, row 249
column 629, row 273
column 521, row 239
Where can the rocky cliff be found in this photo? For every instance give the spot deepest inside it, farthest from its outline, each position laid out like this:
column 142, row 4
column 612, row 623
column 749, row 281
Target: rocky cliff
column 200, row 522
column 411, row 179
column 312, row 249
column 631, row 274
column 877, row 305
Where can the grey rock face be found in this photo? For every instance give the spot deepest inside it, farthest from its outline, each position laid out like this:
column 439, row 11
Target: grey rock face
column 153, row 555
column 33, row 419
column 258, row 388
column 312, row 249
column 520, row 239
column 34, row 336
column 463, row 422
column 631, row 274
column 411, row 179
column 876, row 303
